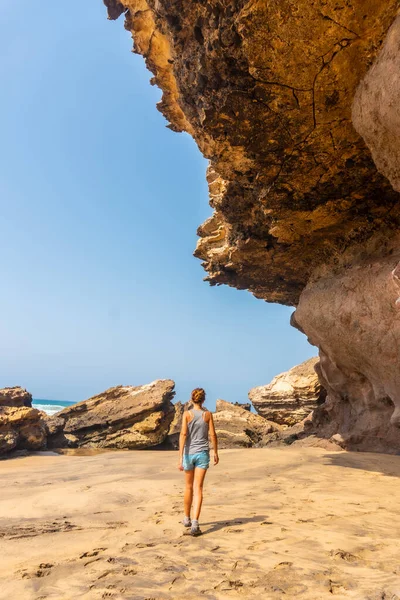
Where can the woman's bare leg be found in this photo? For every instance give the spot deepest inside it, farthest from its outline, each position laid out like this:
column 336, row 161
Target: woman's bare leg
column 199, row 475
column 188, row 498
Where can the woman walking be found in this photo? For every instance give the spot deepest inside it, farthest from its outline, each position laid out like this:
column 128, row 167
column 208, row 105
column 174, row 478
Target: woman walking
column 194, row 456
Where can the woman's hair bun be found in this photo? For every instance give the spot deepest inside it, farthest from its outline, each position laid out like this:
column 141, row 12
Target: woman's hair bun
column 198, row 396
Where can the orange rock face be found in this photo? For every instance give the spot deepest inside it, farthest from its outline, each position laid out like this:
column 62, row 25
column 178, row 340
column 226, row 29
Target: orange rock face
column 21, row 427
column 265, row 89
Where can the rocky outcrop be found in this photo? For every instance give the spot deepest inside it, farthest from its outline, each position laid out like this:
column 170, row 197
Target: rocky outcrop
column 15, row 396
column 124, row 417
column 266, row 90
column 238, row 428
column 21, row 427
column 291, row 396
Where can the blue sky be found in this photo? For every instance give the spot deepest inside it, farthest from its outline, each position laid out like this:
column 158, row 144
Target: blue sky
column 99, row 206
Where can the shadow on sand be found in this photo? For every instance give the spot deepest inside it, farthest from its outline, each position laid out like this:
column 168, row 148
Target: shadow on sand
column 217, row 525
column 387, row 464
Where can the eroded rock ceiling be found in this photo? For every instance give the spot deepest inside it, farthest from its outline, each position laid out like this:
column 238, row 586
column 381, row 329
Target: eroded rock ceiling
column 265, row 89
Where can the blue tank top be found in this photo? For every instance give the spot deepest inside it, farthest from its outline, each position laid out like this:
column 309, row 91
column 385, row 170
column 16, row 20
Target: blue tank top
column 197, row 439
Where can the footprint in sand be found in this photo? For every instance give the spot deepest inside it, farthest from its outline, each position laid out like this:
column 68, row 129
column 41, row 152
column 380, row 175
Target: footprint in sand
column 228, row 585
column 105, row 574
column 305, row 521
column 42, row 571
column 93, row 552
column 143, row 545
column 91, row 561
column 283, row 565
column 256, row 545
column 157, row 518
column 117, row 524
column 343, row 555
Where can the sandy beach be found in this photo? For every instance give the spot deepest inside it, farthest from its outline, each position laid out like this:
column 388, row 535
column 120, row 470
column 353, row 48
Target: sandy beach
column 277, row 523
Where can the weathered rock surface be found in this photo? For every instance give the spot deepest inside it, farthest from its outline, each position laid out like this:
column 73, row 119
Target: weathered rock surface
column 123, row 417
column 237, row 427
column 172, row 440
column 376, row 114
column 21, row 427
column 15, row 396
column 244, row 405
column 354, row 318
column 266, row 90
column 299, row 435
column 291, row 396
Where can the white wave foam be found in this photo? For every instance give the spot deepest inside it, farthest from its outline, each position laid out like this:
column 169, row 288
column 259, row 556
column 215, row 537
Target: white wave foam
column 50, row 409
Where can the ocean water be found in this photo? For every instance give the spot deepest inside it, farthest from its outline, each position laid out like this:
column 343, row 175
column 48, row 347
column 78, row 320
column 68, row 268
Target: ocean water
column 50, row 406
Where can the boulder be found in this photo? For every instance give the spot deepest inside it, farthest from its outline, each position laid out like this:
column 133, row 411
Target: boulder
column 15, row 396
column 291, row 396
column 236, row 427
column 21, row 428
column 124, row 417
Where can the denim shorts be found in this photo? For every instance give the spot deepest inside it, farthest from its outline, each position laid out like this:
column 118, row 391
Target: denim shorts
column 200, row 459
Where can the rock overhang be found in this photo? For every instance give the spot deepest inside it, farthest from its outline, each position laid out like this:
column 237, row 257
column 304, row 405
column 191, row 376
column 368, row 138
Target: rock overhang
column 266, row 91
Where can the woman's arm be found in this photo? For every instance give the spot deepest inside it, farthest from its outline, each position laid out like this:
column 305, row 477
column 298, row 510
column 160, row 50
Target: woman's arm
column 182, row 440
column 214, row 440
